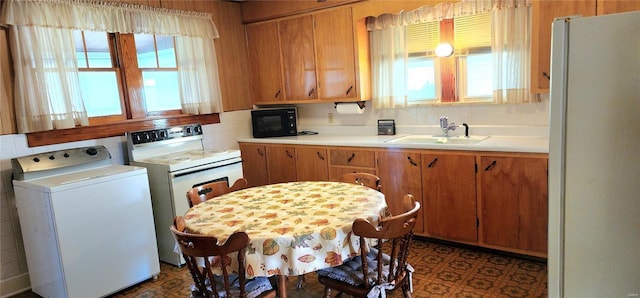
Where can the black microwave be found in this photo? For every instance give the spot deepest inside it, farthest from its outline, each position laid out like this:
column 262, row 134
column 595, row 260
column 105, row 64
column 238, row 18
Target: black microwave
column 276, row 122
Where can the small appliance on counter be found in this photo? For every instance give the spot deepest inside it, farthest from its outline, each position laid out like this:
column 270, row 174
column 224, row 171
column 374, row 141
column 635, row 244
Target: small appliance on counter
column 87, row 224
column 386, row 127
column 275, row 122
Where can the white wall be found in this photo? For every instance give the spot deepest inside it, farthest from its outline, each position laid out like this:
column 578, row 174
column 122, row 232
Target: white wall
column 13, row 266
column 513, row 116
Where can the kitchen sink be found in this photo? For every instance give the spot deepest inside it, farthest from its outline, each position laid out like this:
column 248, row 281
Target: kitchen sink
column 434, row 139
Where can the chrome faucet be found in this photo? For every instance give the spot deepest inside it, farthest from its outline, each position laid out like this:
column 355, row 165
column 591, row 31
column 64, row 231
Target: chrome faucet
column 445, row 126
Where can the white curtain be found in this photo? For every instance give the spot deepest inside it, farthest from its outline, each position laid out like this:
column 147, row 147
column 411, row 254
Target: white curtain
column 198, row 72
column 389, row 71
column 511, row 50
column 389, row 56
column 47, row 92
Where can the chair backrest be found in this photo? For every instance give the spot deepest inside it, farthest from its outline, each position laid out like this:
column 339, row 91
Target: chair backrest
column 366, row 179
column 397, row 232
column 200, row 249
column 207, row 191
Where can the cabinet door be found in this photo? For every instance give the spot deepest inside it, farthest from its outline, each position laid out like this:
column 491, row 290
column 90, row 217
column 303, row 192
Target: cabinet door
column 281, row 164
column 312, row 164
column 616, row 6
column 449, row 196
column 335, row 54
column 254, row 164
column 298, row 58
column 264, row 62
column 543, row 13
column 513, row 199
column 399, row 173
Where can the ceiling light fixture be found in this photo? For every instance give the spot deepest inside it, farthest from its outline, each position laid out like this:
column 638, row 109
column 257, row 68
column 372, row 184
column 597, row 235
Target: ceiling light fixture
column 444, row 50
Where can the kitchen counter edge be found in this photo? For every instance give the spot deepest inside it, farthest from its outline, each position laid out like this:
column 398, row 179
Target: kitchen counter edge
column 519, row 144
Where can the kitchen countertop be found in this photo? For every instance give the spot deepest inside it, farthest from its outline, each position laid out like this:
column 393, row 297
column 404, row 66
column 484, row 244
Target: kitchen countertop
column 523, row 144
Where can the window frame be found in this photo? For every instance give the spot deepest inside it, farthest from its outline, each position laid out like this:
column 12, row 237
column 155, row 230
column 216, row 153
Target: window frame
column 461, row 87
column 134, row 117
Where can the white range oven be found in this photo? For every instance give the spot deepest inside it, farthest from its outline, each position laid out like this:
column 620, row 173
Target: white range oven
column 176, row 161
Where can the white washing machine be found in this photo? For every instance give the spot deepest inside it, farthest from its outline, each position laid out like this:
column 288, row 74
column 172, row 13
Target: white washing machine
column 87, row 225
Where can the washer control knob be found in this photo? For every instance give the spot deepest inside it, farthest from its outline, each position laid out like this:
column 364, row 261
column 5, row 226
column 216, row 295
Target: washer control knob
column 91, row 151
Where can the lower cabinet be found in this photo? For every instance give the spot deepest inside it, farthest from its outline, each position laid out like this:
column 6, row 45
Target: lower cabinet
column 254, row 164
column 490, row 199
column 449, row 196
column 513, row 200
column 399, row 172
column 311, row 164
column 281, row 163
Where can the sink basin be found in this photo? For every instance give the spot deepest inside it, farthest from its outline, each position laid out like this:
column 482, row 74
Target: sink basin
column 433, row 139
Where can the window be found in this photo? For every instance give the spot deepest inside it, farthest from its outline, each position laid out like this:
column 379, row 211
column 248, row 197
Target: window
column 101, row 80
column 423, row 85
column 471, row 37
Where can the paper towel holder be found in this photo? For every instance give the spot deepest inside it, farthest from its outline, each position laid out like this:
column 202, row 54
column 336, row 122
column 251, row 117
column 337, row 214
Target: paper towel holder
column 360, row 104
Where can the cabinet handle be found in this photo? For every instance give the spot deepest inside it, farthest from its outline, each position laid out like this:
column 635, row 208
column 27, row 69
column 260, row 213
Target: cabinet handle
column 351, row 157
column 320, row 156
column 288, row 153
column 490, row 166
column 277, row 94
column 413, row 163
column 260, row 152
column 546, row 75
column 433, row 163
column 349, row 90
column 311, row 92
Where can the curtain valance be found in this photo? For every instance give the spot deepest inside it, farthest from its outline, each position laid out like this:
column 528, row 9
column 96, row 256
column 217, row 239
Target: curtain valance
column 108, row 16
column 440, row 12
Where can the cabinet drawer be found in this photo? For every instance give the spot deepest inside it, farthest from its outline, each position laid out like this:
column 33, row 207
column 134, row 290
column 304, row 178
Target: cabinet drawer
column 353, row 158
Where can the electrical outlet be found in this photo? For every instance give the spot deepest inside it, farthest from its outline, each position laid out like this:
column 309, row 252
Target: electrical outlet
column 330, row 115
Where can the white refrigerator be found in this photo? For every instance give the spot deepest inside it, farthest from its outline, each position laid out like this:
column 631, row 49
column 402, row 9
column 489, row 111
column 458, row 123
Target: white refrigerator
column 594, row 157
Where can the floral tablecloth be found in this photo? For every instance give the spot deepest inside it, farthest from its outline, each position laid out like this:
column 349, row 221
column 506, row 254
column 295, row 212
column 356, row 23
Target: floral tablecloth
column 295, row 227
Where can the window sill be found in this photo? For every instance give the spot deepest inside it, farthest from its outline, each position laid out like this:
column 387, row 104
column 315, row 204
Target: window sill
column 84, row 133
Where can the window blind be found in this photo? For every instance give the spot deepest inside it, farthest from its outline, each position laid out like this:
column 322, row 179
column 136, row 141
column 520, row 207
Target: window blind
column 472, row 33
column 422, row 38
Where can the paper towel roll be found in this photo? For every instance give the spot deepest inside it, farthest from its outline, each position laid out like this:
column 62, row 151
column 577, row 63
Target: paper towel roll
column 349, row 108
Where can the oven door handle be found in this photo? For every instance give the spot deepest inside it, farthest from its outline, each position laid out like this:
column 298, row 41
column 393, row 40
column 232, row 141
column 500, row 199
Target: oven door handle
column 190, row 172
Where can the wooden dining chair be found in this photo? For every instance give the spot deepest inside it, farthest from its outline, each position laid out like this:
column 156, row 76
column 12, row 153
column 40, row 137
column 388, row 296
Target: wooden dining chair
column 202, row 253
column 366, row 179
column 207, row 191
column 378, row 269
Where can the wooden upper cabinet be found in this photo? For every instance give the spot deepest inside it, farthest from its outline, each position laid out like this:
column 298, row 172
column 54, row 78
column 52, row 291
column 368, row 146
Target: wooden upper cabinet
column 320, row 57
column 543, row 13
column 616, row 6
column 298, row 58
column 264, row 58
column 335, row 54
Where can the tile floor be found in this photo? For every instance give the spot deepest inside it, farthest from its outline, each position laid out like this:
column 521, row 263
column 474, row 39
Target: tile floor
column 441, row 271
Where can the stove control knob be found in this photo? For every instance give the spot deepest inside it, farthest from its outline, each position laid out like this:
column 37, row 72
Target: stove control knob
column 35, row 159
column 52, row 157
column 188, row 130
column 91, row 151
column 66, row 155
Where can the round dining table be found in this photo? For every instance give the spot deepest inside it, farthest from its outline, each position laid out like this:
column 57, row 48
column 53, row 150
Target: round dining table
column 294, row 228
